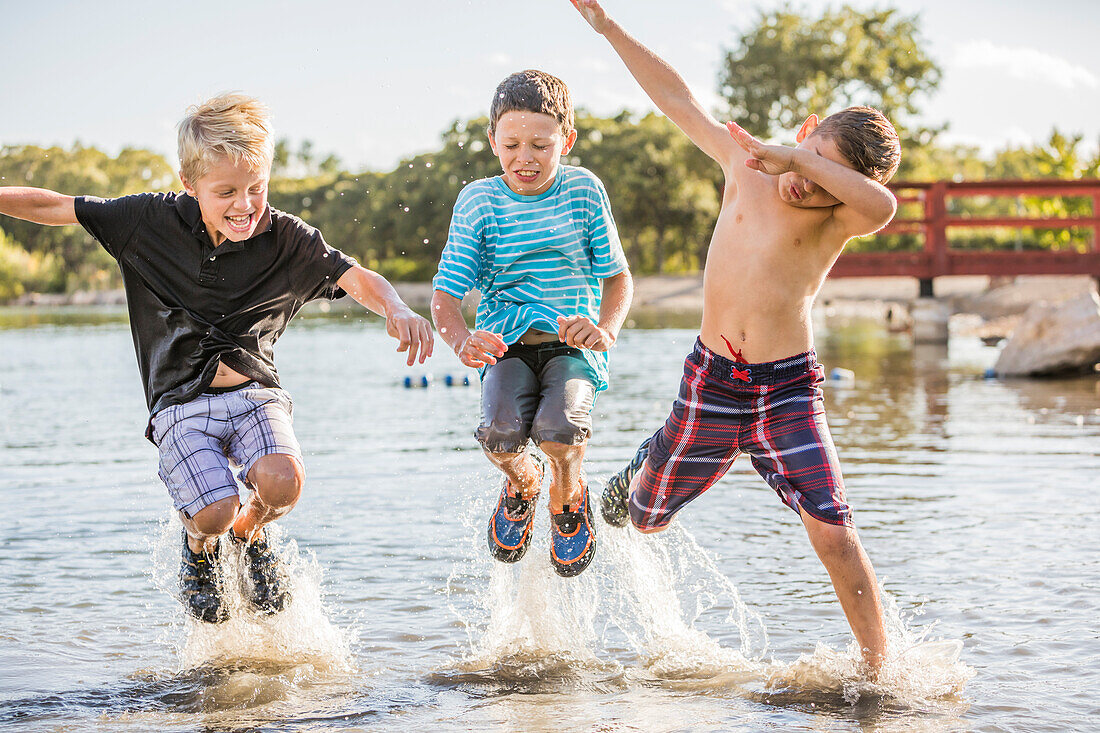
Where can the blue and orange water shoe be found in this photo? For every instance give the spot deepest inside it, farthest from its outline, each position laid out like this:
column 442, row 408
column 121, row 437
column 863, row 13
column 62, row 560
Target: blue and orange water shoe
column 613, row 502
column 265, row 583
column 201, row 585
column 572, row 540
column 510, row 526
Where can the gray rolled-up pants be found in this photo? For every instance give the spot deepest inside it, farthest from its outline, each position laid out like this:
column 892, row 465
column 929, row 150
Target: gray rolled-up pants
column 542, row 392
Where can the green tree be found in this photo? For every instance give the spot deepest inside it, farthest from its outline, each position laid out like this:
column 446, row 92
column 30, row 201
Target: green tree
column 78, row 171
column 789, row 65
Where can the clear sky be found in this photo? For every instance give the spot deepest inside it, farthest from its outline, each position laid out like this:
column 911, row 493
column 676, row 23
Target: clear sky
column 377, row 81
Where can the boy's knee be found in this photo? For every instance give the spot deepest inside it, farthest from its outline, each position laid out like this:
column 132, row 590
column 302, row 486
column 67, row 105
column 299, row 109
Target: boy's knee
column 831, row 540
column 215, row 519
column 557, row 451
column 503, row 436
column 568, row 430
column 278, row 479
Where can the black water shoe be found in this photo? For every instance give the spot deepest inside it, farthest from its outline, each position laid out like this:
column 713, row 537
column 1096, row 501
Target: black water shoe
column 613, row 502
column 265, row 581
column 201, row 586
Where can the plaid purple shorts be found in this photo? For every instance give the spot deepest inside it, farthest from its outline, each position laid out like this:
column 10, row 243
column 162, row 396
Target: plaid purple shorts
column 201, row 442
column 774, row 412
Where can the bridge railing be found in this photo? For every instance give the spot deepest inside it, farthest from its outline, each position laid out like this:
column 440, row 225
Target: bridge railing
column 938, row 258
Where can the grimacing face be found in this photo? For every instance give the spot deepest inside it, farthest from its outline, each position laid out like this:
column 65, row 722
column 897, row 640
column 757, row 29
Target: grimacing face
column 529, row 146
column 232, row 198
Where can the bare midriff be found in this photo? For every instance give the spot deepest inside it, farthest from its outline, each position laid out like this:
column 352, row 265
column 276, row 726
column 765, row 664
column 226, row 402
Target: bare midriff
column 534, row 336
column 762, row 272
column 227, row 377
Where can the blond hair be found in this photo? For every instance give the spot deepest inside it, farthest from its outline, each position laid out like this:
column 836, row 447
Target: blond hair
column 233, row 126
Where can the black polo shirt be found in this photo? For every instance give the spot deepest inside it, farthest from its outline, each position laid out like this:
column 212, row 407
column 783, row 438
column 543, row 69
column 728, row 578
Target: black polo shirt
column 193, row 304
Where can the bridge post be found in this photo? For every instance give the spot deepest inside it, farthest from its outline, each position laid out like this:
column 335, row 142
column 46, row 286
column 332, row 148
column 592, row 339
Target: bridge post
column 935, row 235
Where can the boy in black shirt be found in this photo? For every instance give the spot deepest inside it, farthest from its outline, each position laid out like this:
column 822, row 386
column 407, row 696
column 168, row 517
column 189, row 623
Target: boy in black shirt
column 212, row 278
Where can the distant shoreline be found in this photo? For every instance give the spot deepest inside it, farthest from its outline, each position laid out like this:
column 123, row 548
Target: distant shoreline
column 988, row 298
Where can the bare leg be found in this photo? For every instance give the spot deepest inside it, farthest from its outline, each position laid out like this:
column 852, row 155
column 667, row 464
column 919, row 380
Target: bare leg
column 855, row 584
column 209, row 523
column 520, row 471
column 565, row 473
column 277, row 481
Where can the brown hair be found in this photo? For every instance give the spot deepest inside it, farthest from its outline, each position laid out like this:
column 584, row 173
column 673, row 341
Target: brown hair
column 232, row 125
column 533, row 91
column 866, row 139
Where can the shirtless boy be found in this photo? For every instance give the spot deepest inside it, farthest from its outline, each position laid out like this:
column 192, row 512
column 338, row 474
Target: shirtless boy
column 751, row 385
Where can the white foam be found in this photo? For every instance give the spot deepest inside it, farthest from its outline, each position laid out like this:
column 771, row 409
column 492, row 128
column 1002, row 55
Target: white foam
column 643, row 597
column 301, row 636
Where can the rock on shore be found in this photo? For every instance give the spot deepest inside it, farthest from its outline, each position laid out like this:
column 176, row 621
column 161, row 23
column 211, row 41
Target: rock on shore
column 1053, row 339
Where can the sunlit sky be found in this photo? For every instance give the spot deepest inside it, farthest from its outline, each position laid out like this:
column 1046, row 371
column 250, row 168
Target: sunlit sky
column 374, row 82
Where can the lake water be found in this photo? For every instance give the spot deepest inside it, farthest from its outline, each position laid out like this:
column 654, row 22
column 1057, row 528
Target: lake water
column 973, row 498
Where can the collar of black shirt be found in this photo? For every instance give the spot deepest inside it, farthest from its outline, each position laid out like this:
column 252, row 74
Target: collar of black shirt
column 189, row 211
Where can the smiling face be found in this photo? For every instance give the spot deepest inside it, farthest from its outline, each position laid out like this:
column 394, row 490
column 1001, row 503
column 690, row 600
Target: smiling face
column 232, row 197
column 529, row 146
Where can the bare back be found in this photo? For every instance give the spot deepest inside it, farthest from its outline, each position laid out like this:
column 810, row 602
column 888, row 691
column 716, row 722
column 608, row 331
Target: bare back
column 765, row 264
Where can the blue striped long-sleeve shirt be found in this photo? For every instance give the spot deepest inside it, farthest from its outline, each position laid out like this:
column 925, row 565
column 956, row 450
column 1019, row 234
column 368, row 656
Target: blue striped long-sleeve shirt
column 533, row 258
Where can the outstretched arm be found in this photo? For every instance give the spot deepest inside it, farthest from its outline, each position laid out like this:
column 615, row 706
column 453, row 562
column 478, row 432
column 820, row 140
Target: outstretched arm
column 38, row 205
column 374, row 292
column 664, row 86
column 867, row 205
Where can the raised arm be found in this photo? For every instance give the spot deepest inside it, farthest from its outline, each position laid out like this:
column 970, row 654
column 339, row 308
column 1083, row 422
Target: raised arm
column 867, row 205
column 374, row 292
column 665, row 87
column 38, row 205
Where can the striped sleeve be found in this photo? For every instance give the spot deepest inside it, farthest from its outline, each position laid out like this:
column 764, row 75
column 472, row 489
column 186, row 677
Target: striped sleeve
column 603, row 237
column 460, row 262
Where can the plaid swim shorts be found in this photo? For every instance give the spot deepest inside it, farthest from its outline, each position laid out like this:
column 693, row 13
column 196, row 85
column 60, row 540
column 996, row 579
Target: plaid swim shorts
column 774, row 412
column 203, row 440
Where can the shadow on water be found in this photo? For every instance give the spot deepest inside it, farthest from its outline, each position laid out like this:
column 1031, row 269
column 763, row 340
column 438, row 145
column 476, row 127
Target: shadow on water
column 233, row 696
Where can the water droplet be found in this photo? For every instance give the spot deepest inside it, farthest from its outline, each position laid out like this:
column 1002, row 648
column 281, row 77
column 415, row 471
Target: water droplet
column 406, row 209
column 425, row 241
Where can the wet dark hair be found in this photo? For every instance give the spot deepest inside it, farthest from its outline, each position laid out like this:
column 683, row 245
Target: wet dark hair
column 533, row 91
column 866, row 139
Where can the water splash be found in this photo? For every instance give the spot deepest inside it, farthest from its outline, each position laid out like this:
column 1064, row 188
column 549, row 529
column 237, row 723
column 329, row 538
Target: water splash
column 301, row 637
column 635, row 617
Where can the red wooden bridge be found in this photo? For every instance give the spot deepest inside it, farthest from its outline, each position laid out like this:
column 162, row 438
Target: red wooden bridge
column 938, row 258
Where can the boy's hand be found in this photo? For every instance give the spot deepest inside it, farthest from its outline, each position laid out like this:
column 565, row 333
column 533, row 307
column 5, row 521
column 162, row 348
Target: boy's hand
column 481, row 348
column 593, row 13
column 581, row 333
column 770, row 159
column 413, row 333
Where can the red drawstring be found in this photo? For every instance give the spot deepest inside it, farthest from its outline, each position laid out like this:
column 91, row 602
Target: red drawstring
column 736, row 373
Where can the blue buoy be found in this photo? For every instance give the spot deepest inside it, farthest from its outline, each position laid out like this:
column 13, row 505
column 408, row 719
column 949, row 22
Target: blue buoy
column 843, row 376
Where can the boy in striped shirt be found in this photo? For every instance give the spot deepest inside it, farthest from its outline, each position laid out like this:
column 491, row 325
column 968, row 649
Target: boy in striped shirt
column 540, row 244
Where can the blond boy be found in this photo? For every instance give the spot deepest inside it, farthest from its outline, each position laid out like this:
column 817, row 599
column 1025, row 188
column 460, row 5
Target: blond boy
column 213, row 276
column 751, row 385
